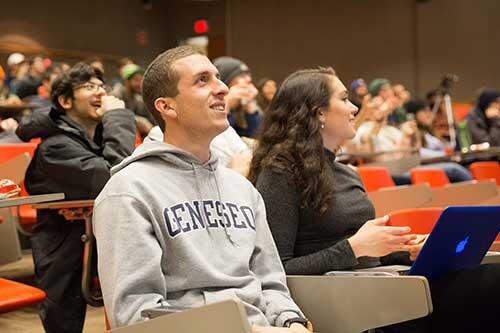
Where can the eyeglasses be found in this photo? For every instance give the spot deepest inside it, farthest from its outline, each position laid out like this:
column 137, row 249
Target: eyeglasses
column 92, row 87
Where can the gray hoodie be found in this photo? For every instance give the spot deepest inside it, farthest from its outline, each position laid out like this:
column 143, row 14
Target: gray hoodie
column 174, row 232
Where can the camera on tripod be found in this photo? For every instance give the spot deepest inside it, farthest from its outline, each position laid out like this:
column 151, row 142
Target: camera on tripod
column 448, row 82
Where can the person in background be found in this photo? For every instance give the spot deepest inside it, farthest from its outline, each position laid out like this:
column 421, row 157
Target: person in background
column 244, row 113
column 83, row 135
column 383, row 88
column 42, row 100
column 431, row 145
column 95, row 62
column 28, row 85
column 17, row 68
column 131, row 94
column 483, row 120
column 9, row 125
column 358, row 91
column 401, row 93
column 117, row 82
column 267, row 88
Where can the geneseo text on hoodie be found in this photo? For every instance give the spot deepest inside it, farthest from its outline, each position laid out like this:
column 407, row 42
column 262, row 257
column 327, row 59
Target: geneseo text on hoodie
column 174, row 232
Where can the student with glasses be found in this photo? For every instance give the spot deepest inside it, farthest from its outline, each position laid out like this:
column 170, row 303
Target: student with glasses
column 84, row 134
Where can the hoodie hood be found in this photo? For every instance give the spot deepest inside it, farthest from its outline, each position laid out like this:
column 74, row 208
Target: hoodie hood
column 486, row 98
column 176, row 157
column 45, row 123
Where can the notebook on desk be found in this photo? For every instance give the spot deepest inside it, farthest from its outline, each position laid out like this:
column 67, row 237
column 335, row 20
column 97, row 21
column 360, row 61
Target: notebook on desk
column 460, row 239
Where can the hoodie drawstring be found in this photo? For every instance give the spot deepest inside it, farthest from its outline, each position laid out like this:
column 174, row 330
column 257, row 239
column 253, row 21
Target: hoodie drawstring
column 198, row 190
column 228, row 233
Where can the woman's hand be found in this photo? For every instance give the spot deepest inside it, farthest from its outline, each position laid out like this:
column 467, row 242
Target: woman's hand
column 375, row 239
column 416, row 246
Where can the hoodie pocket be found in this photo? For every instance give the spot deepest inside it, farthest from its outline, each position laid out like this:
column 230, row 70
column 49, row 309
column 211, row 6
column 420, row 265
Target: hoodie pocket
column 219, row 295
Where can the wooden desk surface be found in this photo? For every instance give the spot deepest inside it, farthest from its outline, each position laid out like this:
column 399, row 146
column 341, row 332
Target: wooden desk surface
column 65, row 204
column 32, row 199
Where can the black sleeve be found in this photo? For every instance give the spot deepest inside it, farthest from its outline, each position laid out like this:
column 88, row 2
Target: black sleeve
column 118, row 135
column 282, row 202
column 480, row 134
column 396, row 258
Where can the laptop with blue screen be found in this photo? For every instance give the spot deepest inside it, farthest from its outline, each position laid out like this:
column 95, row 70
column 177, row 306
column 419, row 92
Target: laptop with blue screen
column 460, row 239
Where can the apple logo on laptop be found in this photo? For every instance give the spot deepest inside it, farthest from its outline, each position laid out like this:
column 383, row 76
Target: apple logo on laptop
column 461, row 245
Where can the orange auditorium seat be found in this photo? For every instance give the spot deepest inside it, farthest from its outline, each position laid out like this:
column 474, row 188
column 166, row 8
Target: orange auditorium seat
column 435, row 177
column 420, row 220
column 375, row 178
column 27, row 215
column 10, row 150
column 14, row 295
column 486, row 170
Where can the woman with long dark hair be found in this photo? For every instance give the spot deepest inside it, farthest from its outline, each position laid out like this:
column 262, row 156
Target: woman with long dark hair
column 320, row 215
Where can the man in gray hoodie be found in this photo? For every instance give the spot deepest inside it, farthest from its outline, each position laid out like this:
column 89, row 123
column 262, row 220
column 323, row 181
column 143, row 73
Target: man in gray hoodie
column 176, row 229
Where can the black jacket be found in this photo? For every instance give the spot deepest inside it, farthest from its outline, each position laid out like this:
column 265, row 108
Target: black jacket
column 68, row 161
column 483, row 129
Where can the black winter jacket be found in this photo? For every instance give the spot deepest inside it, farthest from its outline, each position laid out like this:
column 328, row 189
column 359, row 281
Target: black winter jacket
column 483, row 129
column 68, row 161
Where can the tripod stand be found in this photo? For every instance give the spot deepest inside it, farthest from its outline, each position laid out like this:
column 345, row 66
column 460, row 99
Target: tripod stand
column 449, row 115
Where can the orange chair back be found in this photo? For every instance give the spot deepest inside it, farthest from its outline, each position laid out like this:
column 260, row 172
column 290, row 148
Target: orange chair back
column 420, row 220
column 486, row 170
column 11, row 150
column 435, row 177
column 375, row 178
column 15, row 295
column 27, row 215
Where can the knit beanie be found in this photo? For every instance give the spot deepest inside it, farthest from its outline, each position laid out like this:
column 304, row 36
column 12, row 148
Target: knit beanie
column 415, row 105
column 486, row 98
column 375, row 86
column 357, row 83
column 229, row 68
column 129, row 70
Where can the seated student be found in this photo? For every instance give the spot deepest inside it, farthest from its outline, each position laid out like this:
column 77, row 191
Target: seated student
column 83, row 135
column 244, row 113
column 431, row 145
column 267, row 88
column 319, row 214
column 383, row 89
column 176, row 229
column 484, row 120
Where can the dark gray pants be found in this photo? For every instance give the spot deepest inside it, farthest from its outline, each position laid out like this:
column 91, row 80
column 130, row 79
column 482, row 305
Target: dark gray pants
column 58, row 256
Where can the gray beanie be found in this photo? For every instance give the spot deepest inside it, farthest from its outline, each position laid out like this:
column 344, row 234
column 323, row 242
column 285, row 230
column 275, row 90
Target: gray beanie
column 229, row 68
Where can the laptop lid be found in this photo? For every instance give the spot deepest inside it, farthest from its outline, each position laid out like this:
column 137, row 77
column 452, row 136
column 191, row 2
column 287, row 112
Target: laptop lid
column 460, row 239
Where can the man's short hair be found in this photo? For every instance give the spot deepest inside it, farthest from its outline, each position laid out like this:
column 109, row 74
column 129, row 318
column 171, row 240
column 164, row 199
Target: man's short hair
column 65, row 83
column 161, row 80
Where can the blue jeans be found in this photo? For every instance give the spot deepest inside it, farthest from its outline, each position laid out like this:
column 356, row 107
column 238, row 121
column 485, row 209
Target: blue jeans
column 454, row 171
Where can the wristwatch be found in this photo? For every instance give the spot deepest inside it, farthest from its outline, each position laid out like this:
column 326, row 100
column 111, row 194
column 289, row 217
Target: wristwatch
column 303, row 321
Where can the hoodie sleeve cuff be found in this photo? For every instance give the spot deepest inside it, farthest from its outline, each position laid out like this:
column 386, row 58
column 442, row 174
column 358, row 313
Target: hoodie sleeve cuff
column 284, row 316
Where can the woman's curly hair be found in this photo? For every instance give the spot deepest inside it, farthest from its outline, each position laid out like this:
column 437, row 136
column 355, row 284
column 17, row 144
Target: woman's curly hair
column 290, row 139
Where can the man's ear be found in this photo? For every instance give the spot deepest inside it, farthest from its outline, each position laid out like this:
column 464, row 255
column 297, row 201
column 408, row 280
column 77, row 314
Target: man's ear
column 65, row 102
column 167, row 107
